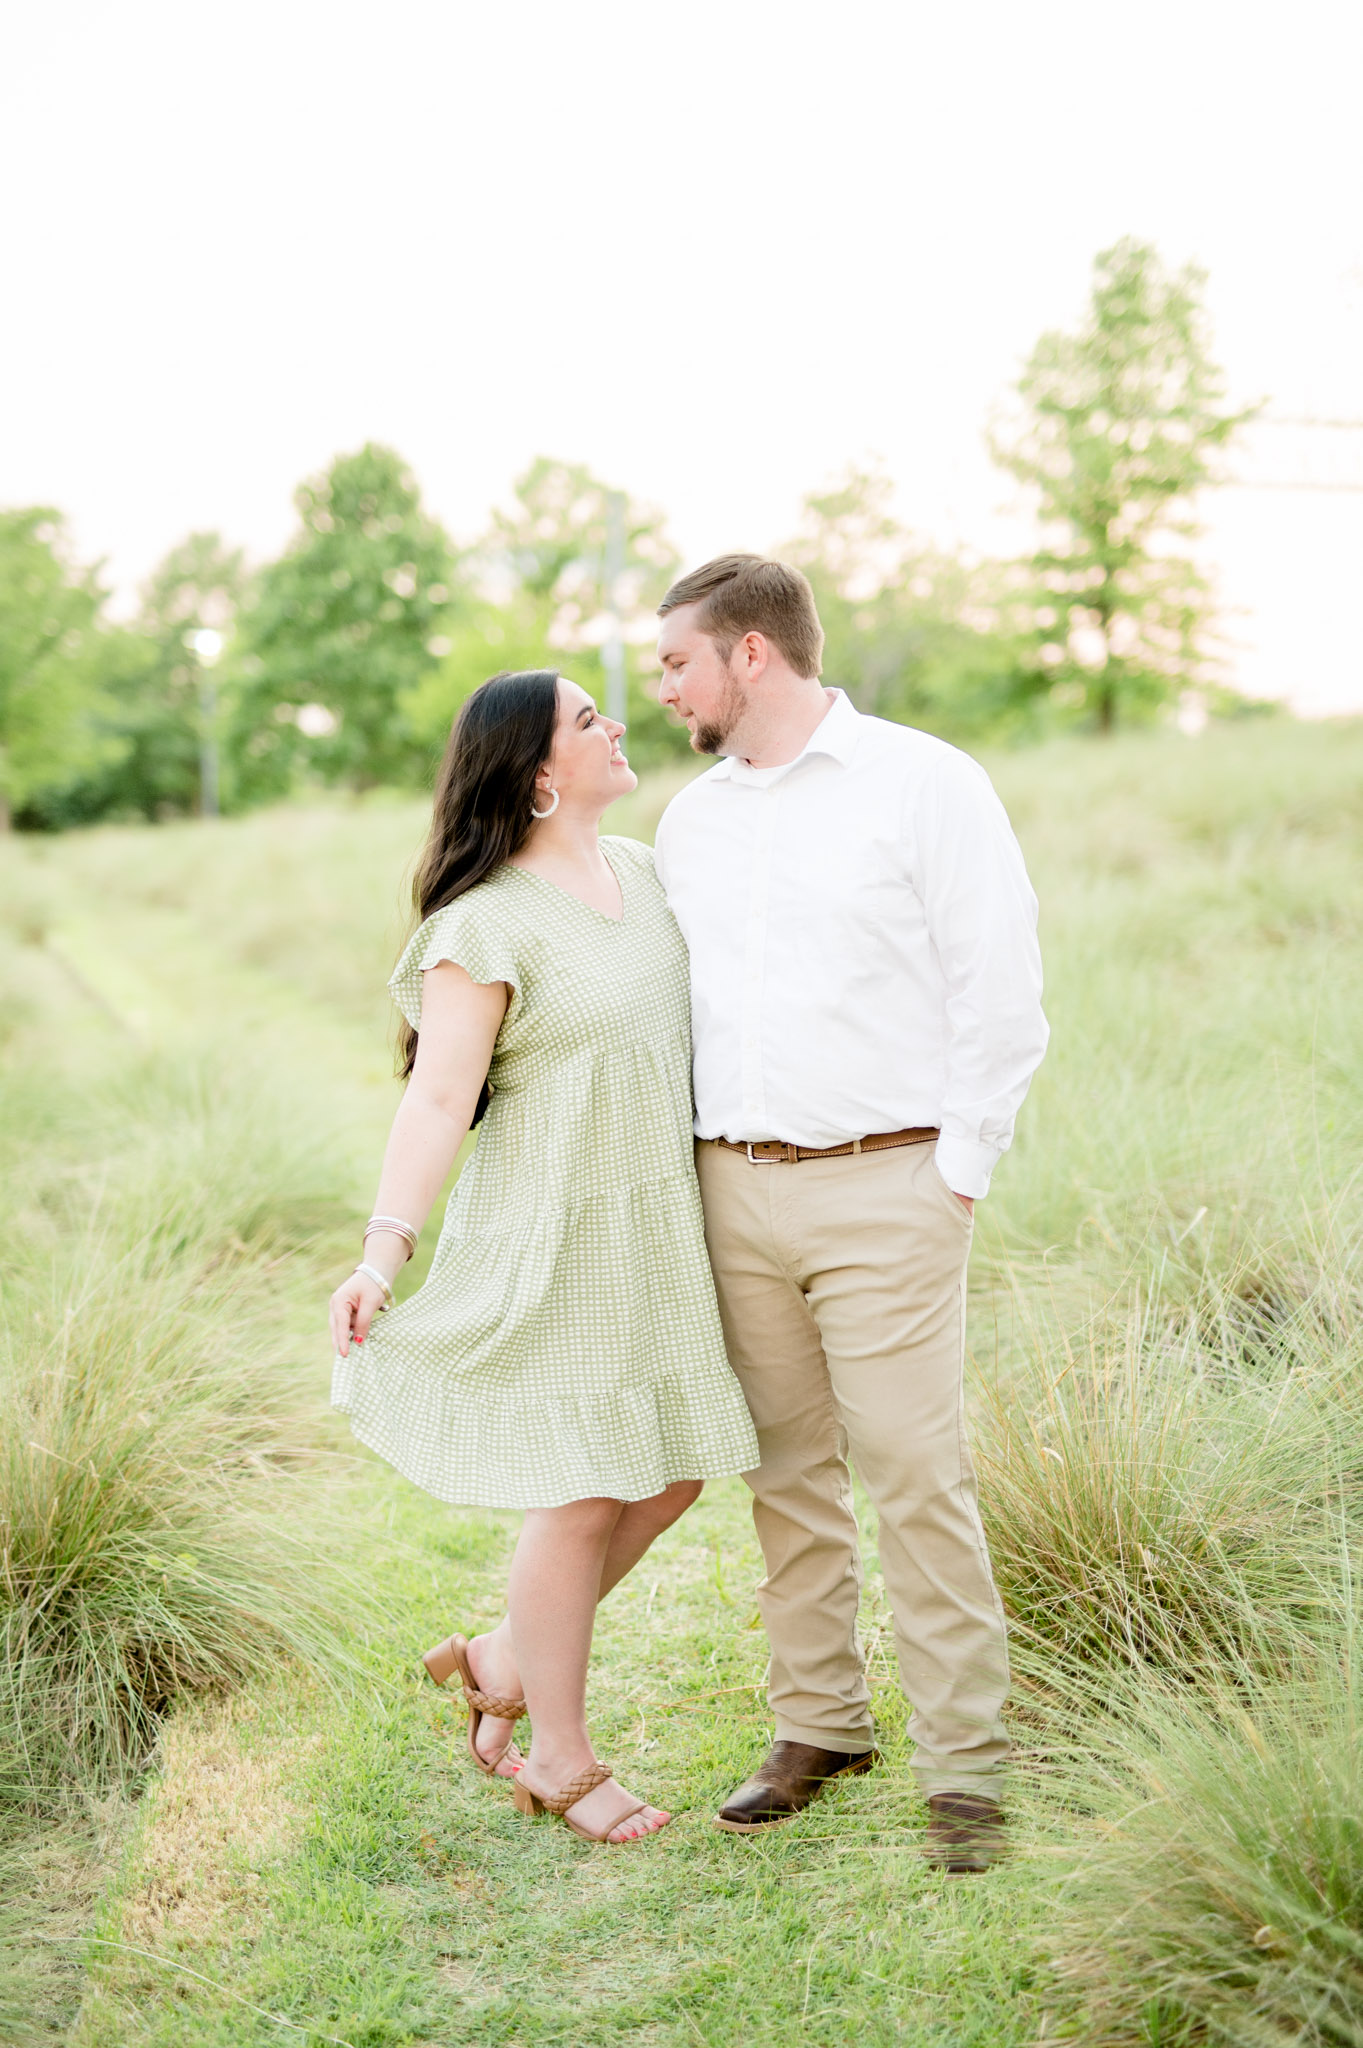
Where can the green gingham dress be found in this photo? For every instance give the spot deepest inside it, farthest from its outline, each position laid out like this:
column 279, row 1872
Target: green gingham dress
column 566, row 1343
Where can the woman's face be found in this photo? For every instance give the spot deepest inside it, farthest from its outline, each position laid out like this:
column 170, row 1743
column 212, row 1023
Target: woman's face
column 586, row 767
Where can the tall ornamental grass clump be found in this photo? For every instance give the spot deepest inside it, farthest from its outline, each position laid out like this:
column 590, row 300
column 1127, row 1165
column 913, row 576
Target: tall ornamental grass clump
column 146, row 1538
column 1222, row 1897
column 1162, row 1500
column 156, row 1429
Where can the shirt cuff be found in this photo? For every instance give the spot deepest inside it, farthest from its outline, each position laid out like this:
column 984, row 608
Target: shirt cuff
column 965, row 1165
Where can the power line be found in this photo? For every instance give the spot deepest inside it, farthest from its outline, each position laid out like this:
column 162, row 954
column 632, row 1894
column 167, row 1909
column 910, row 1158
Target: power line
column 1335, row 426
column 1285, row 483
column 1308, row 477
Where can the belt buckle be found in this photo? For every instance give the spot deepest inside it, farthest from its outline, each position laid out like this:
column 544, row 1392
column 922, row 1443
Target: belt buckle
column 778, row 1159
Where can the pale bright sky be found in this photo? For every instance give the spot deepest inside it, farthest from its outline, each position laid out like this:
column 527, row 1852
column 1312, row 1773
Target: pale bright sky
column 714, row 251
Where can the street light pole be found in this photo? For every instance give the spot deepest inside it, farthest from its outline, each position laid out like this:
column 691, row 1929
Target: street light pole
column 613, row 652
column 207, row 645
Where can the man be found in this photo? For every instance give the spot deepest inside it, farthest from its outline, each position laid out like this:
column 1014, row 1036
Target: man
column 866, row 1008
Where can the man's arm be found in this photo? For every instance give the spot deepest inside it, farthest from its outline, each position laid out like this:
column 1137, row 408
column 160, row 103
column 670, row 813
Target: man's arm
column 981, row 915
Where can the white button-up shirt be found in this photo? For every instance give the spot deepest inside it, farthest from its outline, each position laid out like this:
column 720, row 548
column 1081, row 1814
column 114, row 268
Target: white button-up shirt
column 863, row 945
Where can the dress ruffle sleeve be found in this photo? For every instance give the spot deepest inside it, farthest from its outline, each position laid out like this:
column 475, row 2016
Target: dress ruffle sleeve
column 464, row 933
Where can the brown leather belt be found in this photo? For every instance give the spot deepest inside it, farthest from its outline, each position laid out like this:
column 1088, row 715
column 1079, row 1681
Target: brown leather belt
column 772, row 1152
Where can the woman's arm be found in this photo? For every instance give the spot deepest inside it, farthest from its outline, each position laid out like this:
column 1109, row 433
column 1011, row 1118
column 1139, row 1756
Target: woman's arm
column 460, row 1019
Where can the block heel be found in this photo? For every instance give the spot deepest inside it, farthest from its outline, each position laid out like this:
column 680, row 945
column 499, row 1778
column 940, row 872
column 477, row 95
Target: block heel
column 450, row 1659
column 525, row 1800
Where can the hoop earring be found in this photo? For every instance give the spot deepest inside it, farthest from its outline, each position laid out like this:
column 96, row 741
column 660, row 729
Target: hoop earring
column 552, row 808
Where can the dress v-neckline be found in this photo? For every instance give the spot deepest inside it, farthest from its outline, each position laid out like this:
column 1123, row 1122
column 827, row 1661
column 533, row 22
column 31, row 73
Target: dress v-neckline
column 568, row 895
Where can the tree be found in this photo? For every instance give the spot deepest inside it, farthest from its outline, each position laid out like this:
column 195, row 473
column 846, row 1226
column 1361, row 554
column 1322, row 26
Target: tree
column 554, row 541
column 912, row 632
column 342, row 628
column 146, row 715
column 154, row 704
column 49, row 690
column 1123, row 420
column 540, row 600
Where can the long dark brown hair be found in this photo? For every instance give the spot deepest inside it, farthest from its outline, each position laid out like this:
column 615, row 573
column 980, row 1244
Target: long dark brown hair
column 501, row 739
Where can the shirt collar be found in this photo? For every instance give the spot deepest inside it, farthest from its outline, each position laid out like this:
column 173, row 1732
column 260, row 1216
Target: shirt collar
column 836, row 735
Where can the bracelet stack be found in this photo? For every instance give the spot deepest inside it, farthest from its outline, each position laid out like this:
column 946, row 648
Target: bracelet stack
column 396, row 1225
column 397, row 1228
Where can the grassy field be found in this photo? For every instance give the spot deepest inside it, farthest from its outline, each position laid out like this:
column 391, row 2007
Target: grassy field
column 230, row 1813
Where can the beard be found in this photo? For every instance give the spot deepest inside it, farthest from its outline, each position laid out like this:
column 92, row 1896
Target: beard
column 710, row 737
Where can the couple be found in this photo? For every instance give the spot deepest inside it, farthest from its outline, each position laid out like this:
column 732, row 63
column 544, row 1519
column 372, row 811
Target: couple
column 637, row 1290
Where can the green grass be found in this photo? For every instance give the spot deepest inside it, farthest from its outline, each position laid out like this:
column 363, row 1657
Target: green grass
column 155, row 1421
column 1165, row 1322
column 1222, row 1895
column 411, row 1901
column 1140, row 1516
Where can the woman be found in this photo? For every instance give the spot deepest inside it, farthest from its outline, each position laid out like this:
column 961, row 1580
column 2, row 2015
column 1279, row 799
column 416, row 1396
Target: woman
column 565, row 1354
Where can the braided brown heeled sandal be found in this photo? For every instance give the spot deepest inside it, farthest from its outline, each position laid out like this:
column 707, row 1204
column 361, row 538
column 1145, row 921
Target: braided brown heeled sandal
column 558, row 1803
column 453, row 1656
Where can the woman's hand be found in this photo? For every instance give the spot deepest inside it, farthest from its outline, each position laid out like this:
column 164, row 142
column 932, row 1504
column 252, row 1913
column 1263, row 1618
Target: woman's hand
column 353, row 1307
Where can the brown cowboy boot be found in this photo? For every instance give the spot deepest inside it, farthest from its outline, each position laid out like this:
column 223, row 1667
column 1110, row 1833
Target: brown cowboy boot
column 965, row 1833
column 793, row 1775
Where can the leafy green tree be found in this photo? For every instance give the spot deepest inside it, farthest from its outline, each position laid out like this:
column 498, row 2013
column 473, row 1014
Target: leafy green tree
column 481, row 637
column 1122, row 422
column 913, row 633
column 152, row 701
column 50, row 694
column 342, row 628
column 555, row 541
column 542, row 601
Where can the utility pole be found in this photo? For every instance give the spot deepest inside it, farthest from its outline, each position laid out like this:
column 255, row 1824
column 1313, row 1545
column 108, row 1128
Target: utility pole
column 207, row 645
column 613, row 651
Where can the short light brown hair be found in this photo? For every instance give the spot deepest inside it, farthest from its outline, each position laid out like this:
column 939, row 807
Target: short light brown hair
column 740, row 594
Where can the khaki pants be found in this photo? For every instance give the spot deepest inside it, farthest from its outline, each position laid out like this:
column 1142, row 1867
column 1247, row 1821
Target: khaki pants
column 841, row 1285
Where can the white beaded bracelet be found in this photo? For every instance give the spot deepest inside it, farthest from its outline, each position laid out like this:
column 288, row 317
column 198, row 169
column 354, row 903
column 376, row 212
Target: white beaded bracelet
column 373, row 1273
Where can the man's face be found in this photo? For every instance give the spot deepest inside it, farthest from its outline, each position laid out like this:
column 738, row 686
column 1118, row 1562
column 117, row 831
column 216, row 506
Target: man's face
column 698, row 684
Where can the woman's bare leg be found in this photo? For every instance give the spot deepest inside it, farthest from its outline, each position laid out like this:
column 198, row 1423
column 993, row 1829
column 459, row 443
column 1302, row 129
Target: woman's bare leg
column 638, row 1523
column 552, row 1597
column 641, row 1523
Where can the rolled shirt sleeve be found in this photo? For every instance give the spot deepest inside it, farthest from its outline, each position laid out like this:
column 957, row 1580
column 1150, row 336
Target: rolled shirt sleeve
column 981, row 915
